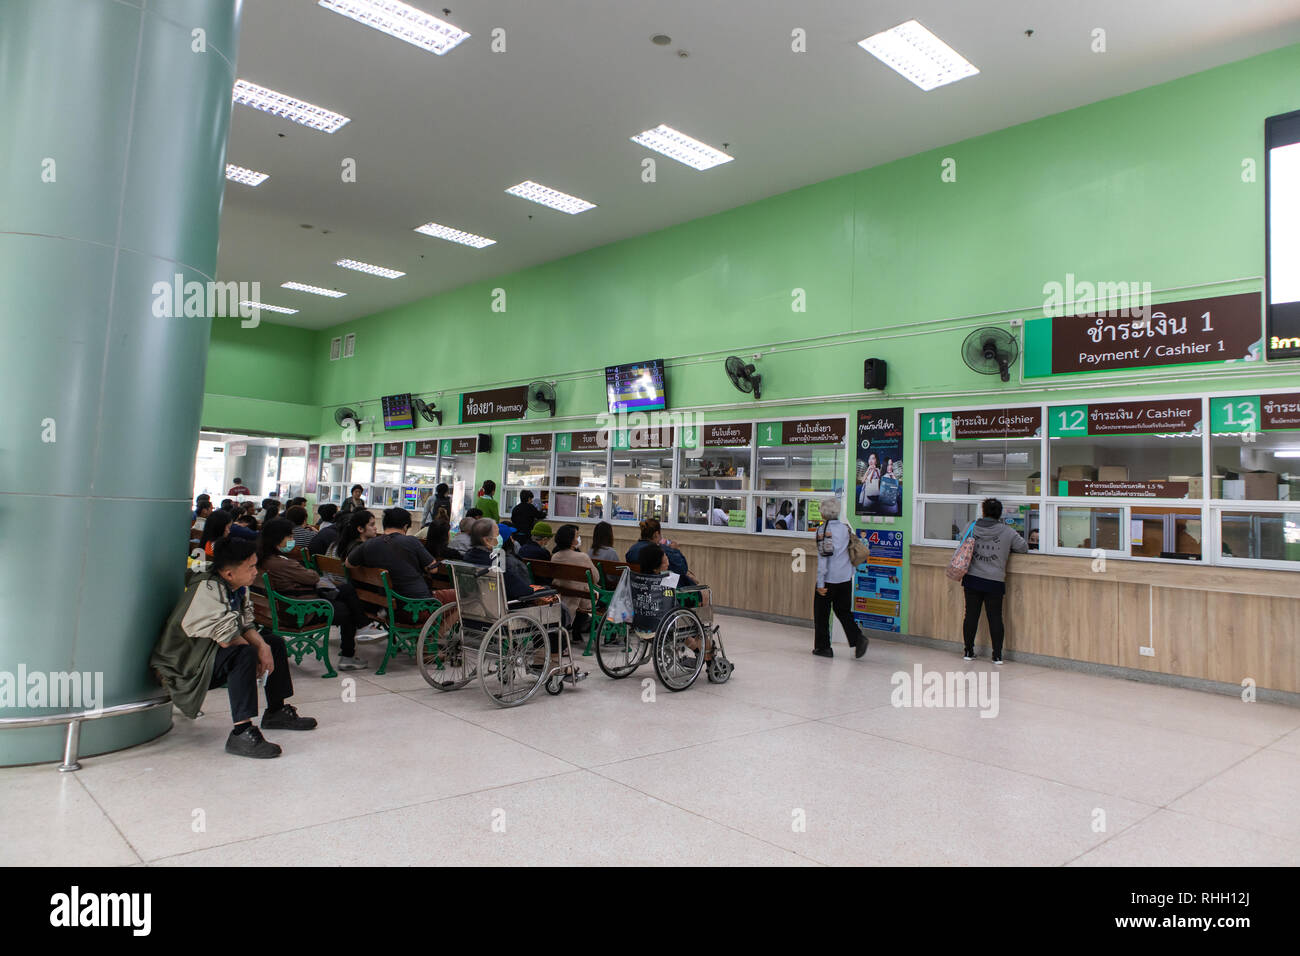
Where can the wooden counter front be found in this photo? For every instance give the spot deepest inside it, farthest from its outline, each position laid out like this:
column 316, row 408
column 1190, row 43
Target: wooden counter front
column 1215, row 623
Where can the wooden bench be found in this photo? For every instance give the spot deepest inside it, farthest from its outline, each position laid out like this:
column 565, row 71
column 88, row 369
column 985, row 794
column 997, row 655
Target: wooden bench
column 270, row 609
column 574, row 581
column 403, row 616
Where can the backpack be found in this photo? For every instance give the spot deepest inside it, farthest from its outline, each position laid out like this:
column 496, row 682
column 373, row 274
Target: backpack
column 859, row 551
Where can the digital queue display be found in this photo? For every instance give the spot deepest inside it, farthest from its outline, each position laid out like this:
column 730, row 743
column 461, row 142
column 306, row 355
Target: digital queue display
column 637, row 387
column 397, row 411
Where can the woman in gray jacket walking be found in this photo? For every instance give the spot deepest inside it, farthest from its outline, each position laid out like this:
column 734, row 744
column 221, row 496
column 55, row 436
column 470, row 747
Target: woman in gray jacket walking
column 834, row 583
column 985, row 579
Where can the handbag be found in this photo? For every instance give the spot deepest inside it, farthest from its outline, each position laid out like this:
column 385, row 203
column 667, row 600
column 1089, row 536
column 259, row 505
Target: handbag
column 961, row 560
column 859, row 550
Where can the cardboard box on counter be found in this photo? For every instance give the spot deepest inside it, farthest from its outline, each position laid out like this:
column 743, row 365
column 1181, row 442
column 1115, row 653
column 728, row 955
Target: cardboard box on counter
column 1196, row 485
column 1112, row 473
column 1260, row 485
column 1076, row 473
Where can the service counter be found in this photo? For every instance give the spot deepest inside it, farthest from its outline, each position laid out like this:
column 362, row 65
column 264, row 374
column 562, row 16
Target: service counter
column 1214, row 623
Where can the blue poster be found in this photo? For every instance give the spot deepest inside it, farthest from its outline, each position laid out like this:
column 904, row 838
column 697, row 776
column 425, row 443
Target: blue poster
column 877, row 585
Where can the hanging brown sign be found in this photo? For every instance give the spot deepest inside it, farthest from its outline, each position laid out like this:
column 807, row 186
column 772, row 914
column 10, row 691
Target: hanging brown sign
column 723, row 436
column 494, row 404
column 1279, row 411
column 1214, row 329
column 536, row 442
column 997, row 423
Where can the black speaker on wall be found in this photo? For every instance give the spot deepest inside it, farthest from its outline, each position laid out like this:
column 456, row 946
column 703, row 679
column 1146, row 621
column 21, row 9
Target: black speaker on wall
column 875, row 372
column 484, row 442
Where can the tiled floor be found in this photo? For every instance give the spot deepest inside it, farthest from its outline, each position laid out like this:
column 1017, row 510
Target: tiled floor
column 797, row 760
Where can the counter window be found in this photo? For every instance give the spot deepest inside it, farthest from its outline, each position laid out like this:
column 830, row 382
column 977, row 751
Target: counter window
column 581, row 469
column 982, row 466
column 1255, row 466
column 1089, row 528
column 724, row 511
column 1260, row 535
column 528, row 469
column 1128, row 466
column 713, row 468
column 801, row 468
column 571, row 504
column 642, row 469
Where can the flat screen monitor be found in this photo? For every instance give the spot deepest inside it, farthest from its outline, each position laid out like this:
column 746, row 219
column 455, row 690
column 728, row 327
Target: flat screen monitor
column 638, row 387
column 1282, row 235
column 397, row 411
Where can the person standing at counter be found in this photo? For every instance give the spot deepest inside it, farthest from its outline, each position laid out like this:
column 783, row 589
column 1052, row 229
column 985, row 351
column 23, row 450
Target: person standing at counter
column 985, row 579
column 834, row 583
column 239, row 488
column 439, row 500
column 488, row 504
column 526, row 514
column 355, row 502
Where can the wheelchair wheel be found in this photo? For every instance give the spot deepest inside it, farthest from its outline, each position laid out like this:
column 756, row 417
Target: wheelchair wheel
column 719, row 669
column 513, row 660
column 676, row 662
column 555, row 684
column 444, row 661
column 619, row 650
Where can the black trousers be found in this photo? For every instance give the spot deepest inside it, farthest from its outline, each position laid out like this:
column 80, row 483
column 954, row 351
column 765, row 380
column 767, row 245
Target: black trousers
column 838, row 598
column 236, row 667
column 348, row 614
column 992, row 603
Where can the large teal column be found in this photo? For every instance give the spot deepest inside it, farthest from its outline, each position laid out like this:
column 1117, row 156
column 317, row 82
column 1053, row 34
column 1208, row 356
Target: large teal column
column 112, row 159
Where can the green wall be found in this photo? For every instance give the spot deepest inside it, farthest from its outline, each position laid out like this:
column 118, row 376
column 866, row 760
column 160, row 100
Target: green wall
column 894, row 262
column 261, row 379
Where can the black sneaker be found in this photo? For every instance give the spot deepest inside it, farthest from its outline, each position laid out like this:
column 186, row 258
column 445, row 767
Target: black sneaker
column 862, row 646
column 286, row 718
column 968, row 656
column 998, row 660
column 251, row 743
column 823, row 652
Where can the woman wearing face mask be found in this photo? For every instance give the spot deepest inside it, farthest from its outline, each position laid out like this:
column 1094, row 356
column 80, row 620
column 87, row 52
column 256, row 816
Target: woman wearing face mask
column 568, row 550
column 290, row 578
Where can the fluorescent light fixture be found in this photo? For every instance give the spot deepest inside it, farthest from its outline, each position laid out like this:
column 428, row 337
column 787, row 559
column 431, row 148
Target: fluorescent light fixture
column 1286, row 454
column 683, row 148
column 919, row 55
column 403, row 21
column 552, row 198
column 455, row 235
column 249, row 177
column 278, row 104
column 269, row 308
column 313, row 289
column 368, row 269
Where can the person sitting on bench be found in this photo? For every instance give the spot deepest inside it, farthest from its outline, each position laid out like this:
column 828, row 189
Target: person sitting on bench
column 210, row 639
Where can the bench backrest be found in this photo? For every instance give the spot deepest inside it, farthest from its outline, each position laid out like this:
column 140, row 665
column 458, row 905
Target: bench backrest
column 611, row 571
column 568, row 579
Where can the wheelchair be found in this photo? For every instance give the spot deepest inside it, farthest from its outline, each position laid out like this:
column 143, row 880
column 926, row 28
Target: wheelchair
column 666, row 622
column 504, row 644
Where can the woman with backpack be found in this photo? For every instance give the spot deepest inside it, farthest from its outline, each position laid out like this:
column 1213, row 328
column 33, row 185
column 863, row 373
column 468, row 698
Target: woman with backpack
column 835, row 570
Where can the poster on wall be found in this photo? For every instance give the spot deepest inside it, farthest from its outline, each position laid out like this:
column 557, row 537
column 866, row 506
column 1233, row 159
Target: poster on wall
column 880, row 461
column 313, row 469
column 877, row 585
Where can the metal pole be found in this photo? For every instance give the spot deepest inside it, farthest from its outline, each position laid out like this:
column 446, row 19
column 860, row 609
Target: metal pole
column 70, row 747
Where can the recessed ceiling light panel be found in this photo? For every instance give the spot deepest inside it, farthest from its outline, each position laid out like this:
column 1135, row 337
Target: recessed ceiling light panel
column 455, row 235
column 269, row 308
column 683, row 148
column 279, row 104
column 919, row 55
column 368, row 269
column 249, row 177
column 313, row 289
column 403, row 21
column 553, row 198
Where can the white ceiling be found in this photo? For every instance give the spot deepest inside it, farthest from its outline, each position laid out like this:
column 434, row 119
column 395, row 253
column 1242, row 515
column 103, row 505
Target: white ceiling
column 440, row 138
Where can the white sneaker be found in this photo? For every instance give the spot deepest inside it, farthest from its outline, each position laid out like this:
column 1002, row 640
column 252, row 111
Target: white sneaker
column 371, row 632
column 352, row 664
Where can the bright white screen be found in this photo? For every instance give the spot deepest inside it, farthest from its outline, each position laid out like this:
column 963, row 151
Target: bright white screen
column 1284, row 223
